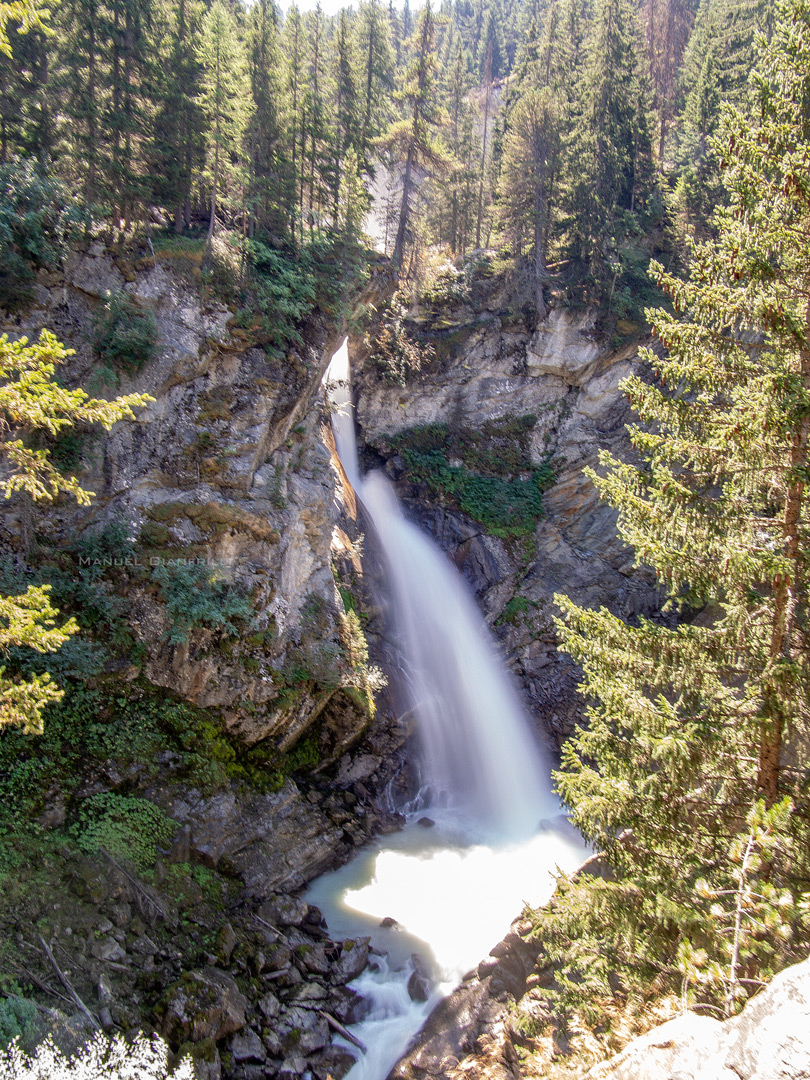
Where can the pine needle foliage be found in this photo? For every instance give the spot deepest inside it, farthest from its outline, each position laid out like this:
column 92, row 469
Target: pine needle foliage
column 692, row 726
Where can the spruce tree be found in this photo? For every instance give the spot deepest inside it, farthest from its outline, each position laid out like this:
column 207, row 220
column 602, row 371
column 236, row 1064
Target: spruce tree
column 178, row 130
column 376, row 75
column 271, row 195
column 224, row 98
column 531, row 160
column 692, row 726
column 414, row 141
column 603, row 167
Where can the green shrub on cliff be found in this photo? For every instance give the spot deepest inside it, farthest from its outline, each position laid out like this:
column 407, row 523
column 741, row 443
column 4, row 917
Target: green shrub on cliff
column 38, row 216
column 197, row 595
column 486, row 472
column 124, row 826
column 125, row 334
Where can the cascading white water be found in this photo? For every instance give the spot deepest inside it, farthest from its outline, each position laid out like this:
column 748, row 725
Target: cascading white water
column 499, row 832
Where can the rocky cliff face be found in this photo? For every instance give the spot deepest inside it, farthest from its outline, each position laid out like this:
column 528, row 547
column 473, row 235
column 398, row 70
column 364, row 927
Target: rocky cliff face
column 563, row 380
column 226, row 469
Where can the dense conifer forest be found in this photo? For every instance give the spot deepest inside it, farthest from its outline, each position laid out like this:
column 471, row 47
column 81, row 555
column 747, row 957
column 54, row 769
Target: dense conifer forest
column 574, row 134
column 647, row 160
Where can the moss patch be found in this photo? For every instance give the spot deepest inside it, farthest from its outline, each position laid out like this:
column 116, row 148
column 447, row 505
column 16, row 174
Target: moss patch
column 486, row 472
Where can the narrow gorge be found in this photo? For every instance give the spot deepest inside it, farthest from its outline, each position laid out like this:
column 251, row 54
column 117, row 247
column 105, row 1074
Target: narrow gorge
column 274, row 763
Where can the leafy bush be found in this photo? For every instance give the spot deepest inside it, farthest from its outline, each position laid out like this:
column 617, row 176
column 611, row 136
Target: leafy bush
column 124, row 334
column 38, row 217
column 283, row 294
column 196, row 596
column 18, row 1020
column 125, row 826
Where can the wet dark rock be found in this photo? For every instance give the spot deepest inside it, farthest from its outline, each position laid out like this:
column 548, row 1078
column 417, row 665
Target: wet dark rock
column 104, row 990
column 334, row 1062
column 180, row 850
column 302, row 1031
column 314, row 917
column 225, row 943
column 205, row 1056
column 420, row 985
column 277, row 956
column 269, row 1006
column 107, row 948
column 353, row 959
column 389, row 924
column 312, row 959
column 347, row 1006
column 291, row 1068
column 309, row 995
column 143, row 946
column 284, row 911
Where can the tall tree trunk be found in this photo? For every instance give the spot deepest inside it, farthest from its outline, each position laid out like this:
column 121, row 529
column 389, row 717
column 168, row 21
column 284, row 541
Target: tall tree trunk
column 404, row 212
column 488, row 80
column 787, row 593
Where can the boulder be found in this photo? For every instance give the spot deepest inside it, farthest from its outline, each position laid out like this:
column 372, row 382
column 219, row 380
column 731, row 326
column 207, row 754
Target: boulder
column 769, row 1040
column 419, row 984
column 202, row 1005
column 247, row 1046
column 302, row 1031
column 353, row 959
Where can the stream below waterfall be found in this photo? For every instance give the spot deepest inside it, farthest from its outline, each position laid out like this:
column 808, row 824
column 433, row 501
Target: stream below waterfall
column 435, row 897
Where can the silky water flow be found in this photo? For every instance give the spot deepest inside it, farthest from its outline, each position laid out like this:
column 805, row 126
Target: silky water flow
column 447, row 893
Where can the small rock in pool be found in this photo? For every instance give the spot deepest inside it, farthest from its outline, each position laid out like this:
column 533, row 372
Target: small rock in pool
column 426, row 822
column 389, row 924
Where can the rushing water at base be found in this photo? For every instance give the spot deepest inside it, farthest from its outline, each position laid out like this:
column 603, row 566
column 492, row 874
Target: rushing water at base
column 454, row 887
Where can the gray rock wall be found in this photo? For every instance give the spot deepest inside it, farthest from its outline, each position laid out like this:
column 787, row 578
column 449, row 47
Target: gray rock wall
column 568, row 377
column 227, row 464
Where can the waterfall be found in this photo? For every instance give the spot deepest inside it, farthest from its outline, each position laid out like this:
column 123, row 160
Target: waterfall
column 435, row 900
column 478, row 748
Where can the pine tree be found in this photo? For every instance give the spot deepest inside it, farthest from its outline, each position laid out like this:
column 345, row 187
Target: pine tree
column 531, row 160
column 667, row 25
column 347, row 110
column 693, row 725
column 177, row 143
column 224, row 97
column 376, row 75
column 414, row 140
column 272, row 178
column 715, row 68
column 603, row 182
column 293, row 47
column 82, row 84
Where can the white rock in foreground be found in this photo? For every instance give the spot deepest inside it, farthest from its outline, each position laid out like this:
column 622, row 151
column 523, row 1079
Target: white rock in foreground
column 769, row 1040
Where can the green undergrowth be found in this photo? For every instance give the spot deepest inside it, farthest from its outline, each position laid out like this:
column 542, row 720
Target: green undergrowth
column 121, row 738
column 486, row 472
column 125, row 826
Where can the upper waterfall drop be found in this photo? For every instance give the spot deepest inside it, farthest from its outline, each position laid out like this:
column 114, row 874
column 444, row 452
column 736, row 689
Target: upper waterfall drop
column 479, row 751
